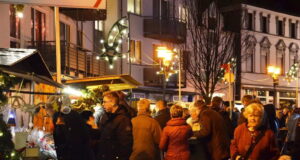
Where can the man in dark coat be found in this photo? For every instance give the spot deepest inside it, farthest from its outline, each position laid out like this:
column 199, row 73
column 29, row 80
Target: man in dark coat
column 213, row 132
column 217, row 105
column 71, row 137
column 163, row 114
column 116, row 133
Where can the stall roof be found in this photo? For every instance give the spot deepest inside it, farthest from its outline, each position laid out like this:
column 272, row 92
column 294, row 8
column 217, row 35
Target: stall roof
column 27, row 64
column 115, row 82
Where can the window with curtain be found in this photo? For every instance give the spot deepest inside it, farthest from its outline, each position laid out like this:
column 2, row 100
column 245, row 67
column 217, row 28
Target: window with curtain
column 15, row 28
column 280, row 59
column 293, row 57
column 250, row 53
column 134, row 6
column 135, row 51
column 264, row 55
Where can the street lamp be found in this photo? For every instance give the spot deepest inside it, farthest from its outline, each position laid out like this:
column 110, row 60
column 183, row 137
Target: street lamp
column 166, row 57
column 274, row 72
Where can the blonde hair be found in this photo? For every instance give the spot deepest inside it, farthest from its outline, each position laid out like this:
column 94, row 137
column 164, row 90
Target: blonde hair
column 256, row 108
column 176, row 111
column 143, row 106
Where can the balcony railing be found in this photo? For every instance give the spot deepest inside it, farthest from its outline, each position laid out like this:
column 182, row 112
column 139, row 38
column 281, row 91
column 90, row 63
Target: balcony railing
column 151, row 79
column 74, row 59
column 170, row 30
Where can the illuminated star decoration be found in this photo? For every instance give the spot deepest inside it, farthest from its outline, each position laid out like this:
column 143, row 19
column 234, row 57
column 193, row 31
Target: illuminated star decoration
column 168, row 61
column 112, row 46
column 226, row 68
column 292, row 73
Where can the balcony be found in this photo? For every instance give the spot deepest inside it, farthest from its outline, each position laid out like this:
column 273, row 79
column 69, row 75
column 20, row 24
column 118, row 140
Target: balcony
column 75, row 61
column 151, row 79
column 170, row 30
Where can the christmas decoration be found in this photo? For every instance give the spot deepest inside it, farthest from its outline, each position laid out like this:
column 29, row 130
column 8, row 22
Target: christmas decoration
column 91, row 98
column 7, row 151
column 6, row 82
column 292, row 73
column 225, row 73
column 112, row 46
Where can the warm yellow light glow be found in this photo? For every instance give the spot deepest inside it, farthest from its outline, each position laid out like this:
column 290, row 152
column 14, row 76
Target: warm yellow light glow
column 164, row 53
column 274, row 71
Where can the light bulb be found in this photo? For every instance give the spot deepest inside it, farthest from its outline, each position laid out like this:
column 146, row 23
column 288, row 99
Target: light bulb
column 101, row 41
column 97, row 57
column 20, row 14
column 115, row 58
column 103, row 50
column 111, row 66
column 106, row 58
column 124, row 56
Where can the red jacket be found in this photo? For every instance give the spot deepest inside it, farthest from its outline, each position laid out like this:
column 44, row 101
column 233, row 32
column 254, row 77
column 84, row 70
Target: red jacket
column 265, row 149
column 174, row 139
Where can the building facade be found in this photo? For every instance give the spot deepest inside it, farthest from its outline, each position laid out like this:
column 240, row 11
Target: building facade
column 152, row 24
column 268, row 38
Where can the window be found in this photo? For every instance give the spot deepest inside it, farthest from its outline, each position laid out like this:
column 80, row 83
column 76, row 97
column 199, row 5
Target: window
column 280, row 59
column 98, row 25
column 293, row 54
column 15, row 28
column 280, row 53
column 279, row 27
column 250, row 21
column 293, row 58
column 38, row 28
column 134, row 6
column 250, row 53
column 264, row 55
column 182, row 14
column 64, row 32
column 80, row 39
column 292, row 30
column 135, row 51
column 264, row 26
column 155, row 58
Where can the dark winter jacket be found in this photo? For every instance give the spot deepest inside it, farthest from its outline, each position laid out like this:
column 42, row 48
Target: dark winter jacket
column 162, row 117
column 265, row 149
column 116, row 137
column 174, row 139
column 213, row 132
column 71, row 138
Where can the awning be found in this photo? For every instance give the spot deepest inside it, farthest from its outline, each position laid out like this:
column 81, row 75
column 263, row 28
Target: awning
column 115, row 82
column 27, row 64
column 84, row 14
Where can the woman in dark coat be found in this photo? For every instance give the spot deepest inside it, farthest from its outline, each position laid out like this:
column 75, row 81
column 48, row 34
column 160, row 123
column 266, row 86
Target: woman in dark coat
column 174, row 139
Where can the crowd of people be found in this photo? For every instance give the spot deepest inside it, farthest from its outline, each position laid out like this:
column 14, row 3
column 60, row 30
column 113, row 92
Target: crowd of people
column 205, row 132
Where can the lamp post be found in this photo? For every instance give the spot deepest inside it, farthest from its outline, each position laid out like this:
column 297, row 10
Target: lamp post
column 166, row 56
column 274, row 72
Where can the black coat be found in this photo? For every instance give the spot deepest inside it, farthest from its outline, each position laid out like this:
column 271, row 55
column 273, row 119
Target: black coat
column 116, row 137
column 72, row 138
column 162, row 117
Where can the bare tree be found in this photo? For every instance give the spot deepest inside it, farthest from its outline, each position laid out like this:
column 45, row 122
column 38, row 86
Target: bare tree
column 209, row 44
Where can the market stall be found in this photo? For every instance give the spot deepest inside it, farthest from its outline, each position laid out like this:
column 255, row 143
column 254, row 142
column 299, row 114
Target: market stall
column 22, row 73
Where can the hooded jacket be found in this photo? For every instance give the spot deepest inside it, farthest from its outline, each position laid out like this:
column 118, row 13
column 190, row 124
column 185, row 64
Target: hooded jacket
column 174, row 139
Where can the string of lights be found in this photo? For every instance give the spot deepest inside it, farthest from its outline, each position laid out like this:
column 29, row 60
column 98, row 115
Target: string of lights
column 111, row 50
